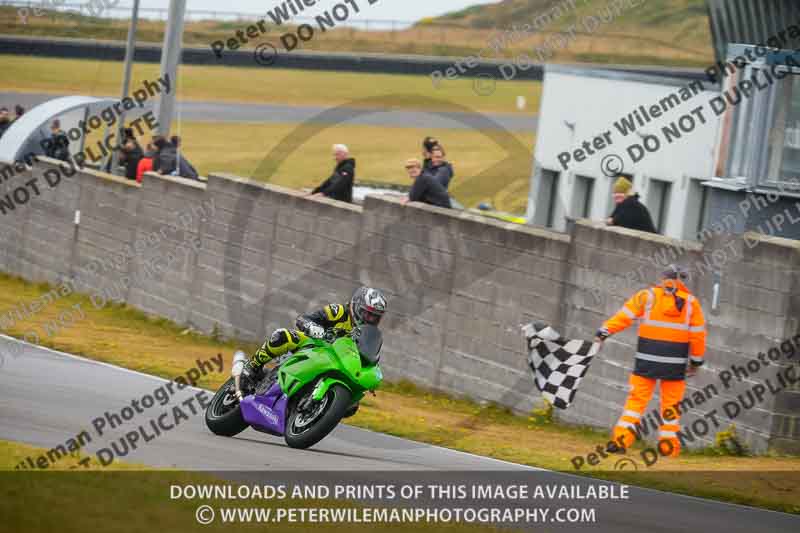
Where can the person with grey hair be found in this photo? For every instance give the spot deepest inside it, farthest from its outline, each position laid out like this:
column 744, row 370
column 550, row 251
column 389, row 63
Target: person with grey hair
column 339, row 186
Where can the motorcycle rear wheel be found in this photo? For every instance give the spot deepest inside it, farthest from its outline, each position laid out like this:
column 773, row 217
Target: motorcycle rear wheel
column 224, row 414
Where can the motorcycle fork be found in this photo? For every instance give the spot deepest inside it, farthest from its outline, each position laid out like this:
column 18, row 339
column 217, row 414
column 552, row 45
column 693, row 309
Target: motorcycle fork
column 307, row 403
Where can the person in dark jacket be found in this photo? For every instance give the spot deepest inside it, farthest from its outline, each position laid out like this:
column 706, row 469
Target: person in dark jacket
column 168, row 161
column 131, row 154
column 629, row 212
column 5, row 120
column 439, row 168
column 58, row 145
column 159, row 143
column 339, row 186
column 425, row 188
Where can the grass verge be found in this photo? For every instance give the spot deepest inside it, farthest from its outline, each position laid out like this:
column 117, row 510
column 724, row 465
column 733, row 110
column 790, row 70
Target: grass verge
column 240, row 148
column 267, row 86
column 130, row 499
column 131, row 339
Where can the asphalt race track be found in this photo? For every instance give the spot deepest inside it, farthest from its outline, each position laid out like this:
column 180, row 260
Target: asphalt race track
column 33, row 409
column 49, row 397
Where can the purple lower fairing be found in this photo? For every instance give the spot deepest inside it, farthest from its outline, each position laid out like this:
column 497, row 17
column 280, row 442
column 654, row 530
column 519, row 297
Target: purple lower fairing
column 266, row 412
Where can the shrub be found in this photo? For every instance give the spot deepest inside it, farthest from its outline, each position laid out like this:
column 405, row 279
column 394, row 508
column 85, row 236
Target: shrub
column 728, row 443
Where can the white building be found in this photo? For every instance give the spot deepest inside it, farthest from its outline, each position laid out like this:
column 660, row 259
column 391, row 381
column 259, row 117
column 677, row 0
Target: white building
column 595, row 124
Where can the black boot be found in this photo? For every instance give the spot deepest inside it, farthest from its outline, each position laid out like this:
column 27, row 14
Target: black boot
column 252, row 373
column 613, row 447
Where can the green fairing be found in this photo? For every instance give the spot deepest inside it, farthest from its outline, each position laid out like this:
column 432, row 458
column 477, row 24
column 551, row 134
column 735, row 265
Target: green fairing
column 338, row 362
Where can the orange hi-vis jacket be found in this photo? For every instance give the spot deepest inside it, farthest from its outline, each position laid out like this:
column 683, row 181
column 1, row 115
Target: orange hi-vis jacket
column 672, row 330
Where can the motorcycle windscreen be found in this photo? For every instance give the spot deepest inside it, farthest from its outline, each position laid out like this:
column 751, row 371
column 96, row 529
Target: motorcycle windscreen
column 369, row 344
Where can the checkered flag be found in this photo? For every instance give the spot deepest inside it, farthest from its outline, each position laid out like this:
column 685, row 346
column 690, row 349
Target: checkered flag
column 558, row 364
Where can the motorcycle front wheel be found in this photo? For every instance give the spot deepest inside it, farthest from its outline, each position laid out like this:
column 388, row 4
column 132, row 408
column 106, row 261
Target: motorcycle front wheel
column 310, row 421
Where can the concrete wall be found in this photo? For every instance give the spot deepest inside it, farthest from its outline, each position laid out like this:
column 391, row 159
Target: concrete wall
column 460, row 285
column 248, row 258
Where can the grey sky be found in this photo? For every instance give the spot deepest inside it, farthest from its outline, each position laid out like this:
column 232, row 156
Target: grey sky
column 410, row 10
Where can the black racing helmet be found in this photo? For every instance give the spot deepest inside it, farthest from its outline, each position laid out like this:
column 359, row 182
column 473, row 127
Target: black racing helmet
column 368, row 306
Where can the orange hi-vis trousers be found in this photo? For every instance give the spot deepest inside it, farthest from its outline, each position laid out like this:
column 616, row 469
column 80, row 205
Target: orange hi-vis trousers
column 625, row 432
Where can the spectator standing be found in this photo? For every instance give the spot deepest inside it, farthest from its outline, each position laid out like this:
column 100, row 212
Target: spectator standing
column 168, row 161
column 131, row 154
column 428, row 144
column 439, row 168
column 5, row 120
column 58, row 147
column 186, row 168
column 629, row 211
column 339, row 186
column 425, row 188
column 160, row 145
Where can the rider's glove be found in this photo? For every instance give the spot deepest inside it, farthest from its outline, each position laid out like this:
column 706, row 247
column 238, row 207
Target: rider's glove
column 315, row 331
column 602, row 334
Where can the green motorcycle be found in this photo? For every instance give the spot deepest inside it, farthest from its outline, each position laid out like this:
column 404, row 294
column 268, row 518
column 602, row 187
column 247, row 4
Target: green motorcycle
column 304, row 395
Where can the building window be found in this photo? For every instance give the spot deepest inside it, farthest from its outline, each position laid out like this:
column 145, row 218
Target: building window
column 759, row 141
column 658, row 199
column 696, row 209
column 582, row 196
column 546, row 201
column 787, row 127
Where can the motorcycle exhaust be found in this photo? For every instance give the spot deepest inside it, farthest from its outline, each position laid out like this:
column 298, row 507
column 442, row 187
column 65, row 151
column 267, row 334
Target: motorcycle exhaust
column 239, row 360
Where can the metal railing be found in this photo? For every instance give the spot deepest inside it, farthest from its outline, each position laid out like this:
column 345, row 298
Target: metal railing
column 158, row 13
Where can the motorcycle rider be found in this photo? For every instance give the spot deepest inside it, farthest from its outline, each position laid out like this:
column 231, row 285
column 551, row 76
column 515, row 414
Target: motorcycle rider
column 366, row 306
